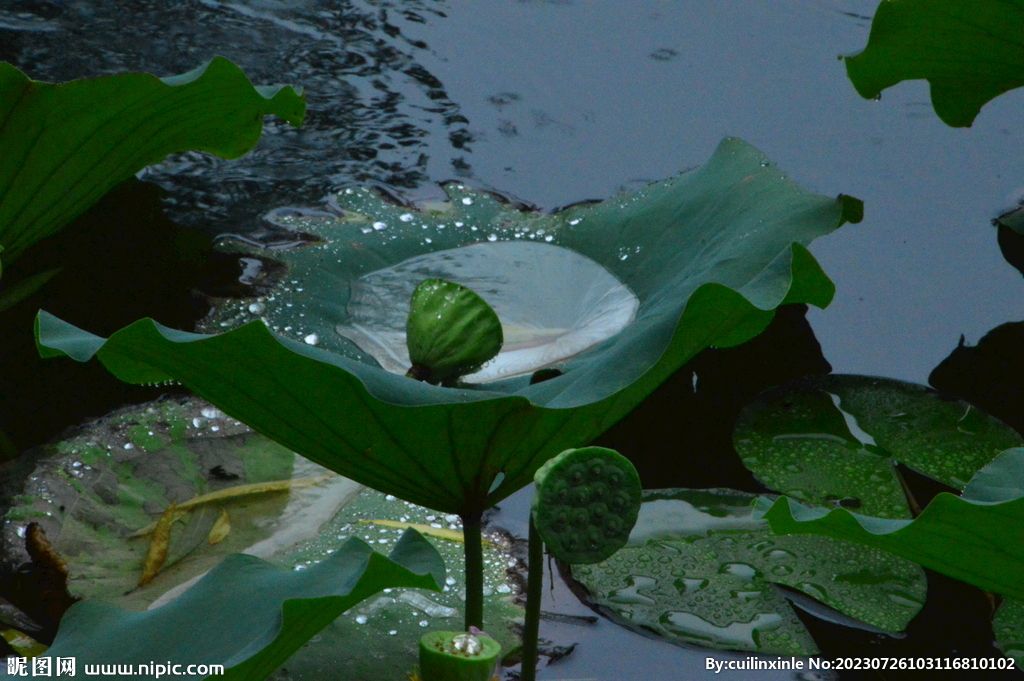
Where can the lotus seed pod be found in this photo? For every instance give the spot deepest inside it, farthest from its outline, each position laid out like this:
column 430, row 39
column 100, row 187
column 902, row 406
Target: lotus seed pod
column 450, row 332
column 457, row 656
column 586, row 503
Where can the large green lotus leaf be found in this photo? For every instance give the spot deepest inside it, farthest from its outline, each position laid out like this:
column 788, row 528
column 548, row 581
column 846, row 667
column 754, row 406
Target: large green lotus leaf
column 1008, row 626
column 969, row 52
column 246, row 614
column 699, row 569
column 67, row 144
column 974, row 540
column 724, row 246
column 833, row 440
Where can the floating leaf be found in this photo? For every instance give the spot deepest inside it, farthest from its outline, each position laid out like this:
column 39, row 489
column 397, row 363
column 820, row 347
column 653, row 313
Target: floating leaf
column 968, row 539
column 833, row 440
column 1008, row 627
column 723, row 247
column 66, row 145
column 969, row 52
column 699, row 569
column 246, row 614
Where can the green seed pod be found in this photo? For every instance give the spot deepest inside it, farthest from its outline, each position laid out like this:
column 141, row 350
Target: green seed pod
column 457, row 656
column 450, row 332
column 586, row 503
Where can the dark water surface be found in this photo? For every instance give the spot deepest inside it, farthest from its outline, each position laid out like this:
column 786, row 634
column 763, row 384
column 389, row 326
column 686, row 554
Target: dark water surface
column 560, row 101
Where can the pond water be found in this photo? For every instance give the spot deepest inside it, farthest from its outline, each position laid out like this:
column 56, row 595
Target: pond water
column 559, row 101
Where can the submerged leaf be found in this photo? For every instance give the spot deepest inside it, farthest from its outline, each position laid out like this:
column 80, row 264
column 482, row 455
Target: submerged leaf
column 834, row 440
column 67, row 144
column 970, row 52
column 723, row 246
column 699, row 569
column 246, row 614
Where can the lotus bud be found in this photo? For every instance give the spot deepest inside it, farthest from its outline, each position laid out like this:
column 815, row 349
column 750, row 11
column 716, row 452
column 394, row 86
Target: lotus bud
column 450, row 332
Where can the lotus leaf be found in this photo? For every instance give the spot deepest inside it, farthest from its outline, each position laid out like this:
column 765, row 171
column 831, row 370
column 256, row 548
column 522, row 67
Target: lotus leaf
column 723, row 246
column 970, row 52
column 245, row 614
column 67, row 144
column 699, row 569
column 970, row 539
column 834, row 440
column 1008, row 626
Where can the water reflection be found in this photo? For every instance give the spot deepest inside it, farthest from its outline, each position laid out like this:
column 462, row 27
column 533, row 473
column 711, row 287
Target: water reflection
column 372, row 105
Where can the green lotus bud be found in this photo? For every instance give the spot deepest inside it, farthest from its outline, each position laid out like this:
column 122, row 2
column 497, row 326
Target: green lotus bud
column 451, row 332
column 457, row 656
column 586, row 503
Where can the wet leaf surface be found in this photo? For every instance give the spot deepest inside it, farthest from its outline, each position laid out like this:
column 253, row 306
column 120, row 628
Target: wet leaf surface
column 968, row 539
column 834, row 440
column 699, row 569
column 723, row 244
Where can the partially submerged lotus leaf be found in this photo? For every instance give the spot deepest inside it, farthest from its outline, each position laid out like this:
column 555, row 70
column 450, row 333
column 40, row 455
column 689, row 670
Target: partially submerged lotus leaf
column 457, row 656
column 451, row 331
column 586, row 503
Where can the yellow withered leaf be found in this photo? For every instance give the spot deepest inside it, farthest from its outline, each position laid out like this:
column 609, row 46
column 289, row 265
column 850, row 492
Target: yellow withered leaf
column 240, row 491
column 439, row 532
column 158, row 543
column 221, row 527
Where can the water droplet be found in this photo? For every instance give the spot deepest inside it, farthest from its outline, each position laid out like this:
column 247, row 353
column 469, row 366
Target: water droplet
column 575, row 222
column 549, row 238
column 492, row 237
column 459, row 224
column 256, row 308
column 466, row 201
column 383, row 225
column 392, row 632
column 405, row 217
column 129, row 445
column 312, row 339
column 424, row 623
column 211, row 412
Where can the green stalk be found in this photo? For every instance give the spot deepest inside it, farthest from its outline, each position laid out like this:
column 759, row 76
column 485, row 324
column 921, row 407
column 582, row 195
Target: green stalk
column 534, row 590
column 474, row 570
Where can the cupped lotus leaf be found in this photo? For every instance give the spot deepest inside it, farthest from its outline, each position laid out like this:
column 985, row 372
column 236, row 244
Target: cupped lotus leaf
column 699, row 569
column 834, row 440
column 723, row 246
column 973, row 540
column 67, row 144
column 246, row 614
column 969, row 52
column 451, row 331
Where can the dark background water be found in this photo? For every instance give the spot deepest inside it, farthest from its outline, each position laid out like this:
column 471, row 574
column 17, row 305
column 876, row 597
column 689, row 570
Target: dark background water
column 553, row 102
